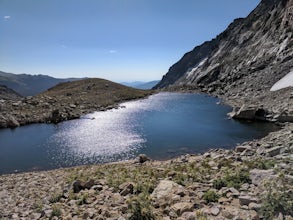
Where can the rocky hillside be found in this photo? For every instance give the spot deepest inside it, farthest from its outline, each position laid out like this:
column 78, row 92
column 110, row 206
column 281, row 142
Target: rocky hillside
column 66, row 101
column 243, row 63
column 8, row 94
column 28, row 85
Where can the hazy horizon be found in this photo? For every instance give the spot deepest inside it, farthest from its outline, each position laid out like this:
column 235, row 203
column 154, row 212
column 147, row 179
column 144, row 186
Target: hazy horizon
column 123, row 41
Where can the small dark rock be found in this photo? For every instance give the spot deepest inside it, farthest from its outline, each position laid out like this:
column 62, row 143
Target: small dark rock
column 126, row 188
column 89, row 184
column 142, row 158
column 77, row 186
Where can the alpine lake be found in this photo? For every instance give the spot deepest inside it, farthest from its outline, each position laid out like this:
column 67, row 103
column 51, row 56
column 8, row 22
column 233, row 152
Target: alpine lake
column 162, row 126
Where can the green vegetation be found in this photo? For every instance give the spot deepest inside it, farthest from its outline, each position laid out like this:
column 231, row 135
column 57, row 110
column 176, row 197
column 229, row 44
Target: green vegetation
column 82, row 199
column 55, row 197
column 140, row 208
column 233, row 179
column 39, row 206
column 56, row 211
column 210, row 196
column 200, row 215
column 260, row 163
column 277, row 199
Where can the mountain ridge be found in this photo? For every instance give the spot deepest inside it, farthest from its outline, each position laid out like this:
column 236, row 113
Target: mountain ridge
column 242, row 63
column 29, row 85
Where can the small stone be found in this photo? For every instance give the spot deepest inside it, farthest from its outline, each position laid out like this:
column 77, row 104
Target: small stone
column 182, row 207
column 214, row 211
column 230, row 212
column 77, row 186
column 254, row 206
column 171, row 174
column 126, row 188
column 223, row 200
column 245, row 200
column 88, row 184
column 97, row 187
column 273, row 151
column 242, row 148
column 189, row 216
column 142, row 158
column 234, row 191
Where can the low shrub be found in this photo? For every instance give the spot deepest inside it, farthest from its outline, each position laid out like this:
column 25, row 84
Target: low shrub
column 210, row 196
column 56, row 211
column 140, row 208
column 232, row 180
column 277, row 199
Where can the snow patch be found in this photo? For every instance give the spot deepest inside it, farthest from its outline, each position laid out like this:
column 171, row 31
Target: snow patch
column 190, row 72
column 286, row 81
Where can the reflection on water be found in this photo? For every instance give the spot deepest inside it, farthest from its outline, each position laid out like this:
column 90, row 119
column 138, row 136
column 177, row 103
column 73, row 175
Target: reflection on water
column 102, row 136
column 162, row 126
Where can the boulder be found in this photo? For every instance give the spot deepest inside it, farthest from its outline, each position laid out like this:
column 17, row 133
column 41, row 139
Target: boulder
column 141, row 158
column 259, row 176
column 12, row 122
column 245, row 112
column 165, row 190
column 78, row 185
column 273, row 151
column 246, row 200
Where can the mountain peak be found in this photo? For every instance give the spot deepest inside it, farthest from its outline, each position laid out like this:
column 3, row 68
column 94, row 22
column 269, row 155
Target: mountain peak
column 242, row 63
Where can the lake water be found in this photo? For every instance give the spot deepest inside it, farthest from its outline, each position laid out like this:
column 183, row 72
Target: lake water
column 162, row 126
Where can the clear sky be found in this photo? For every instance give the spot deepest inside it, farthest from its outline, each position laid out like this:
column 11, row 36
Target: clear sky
column 120, row 40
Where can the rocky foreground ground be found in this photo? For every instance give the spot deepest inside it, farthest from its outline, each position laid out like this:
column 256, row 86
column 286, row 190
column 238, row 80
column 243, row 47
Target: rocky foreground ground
column 252, row 181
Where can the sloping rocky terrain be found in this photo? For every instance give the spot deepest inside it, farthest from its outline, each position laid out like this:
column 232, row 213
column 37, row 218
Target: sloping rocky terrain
column 241, row 64
column 66, row 101
column 8, row 94
column 253, row 181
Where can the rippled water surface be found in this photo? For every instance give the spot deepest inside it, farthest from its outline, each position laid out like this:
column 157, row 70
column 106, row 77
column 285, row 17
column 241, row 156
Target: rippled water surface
column 162, row 126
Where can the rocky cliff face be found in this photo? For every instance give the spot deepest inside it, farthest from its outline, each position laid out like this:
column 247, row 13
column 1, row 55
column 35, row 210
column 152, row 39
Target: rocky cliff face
column 243, row 63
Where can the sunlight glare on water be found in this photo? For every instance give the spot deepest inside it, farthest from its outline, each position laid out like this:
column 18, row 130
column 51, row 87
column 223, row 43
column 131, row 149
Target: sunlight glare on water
column 102, row 136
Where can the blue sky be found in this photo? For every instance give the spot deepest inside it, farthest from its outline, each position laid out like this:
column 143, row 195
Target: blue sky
column 120, row 40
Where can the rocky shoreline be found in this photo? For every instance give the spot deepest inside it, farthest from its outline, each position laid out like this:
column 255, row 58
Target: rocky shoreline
column 252, row 181
column 66, row 101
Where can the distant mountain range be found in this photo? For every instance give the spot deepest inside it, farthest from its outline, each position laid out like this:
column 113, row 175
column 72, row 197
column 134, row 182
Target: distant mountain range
column 28, row 85
column 141, row 85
